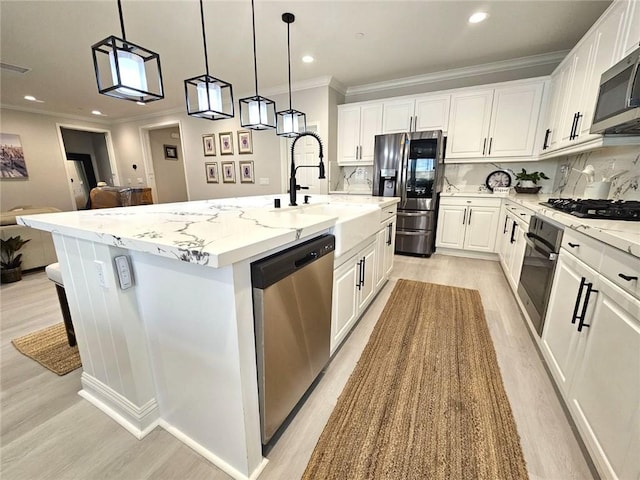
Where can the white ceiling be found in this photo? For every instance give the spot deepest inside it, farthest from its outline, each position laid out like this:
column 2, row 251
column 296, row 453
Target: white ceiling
column 53, row 39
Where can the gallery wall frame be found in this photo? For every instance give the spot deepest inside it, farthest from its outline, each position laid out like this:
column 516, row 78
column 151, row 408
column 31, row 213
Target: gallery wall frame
column 209, row 145
column 246, row 171
column 226, row 143
column 211, row 169
column 229, row 172
column 12, row 162
column 245, row 142
column 170, row 152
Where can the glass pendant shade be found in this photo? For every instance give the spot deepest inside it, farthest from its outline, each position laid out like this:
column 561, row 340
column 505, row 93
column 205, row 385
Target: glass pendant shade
column 257, row 113
column 127, row 71
column 208, row 97
column 290, row 123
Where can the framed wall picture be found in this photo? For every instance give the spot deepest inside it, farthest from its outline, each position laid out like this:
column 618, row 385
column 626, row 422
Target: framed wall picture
column 212, row 172
column 209, row 145
column 229, row 172
column 170, row 152
column 12, row 164
column 245, row 143
column 246, row 171
column 226, row 143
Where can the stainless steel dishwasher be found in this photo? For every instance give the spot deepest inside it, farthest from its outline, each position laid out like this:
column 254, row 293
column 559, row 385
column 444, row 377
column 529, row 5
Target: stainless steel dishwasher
column 292, row 293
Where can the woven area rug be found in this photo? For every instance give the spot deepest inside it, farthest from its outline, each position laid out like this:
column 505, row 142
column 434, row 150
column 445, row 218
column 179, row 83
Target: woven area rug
column 50, row 349
column 425, row 400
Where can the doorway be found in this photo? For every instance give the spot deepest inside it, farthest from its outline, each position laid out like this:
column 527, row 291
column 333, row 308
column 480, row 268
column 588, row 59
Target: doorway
column 88, row 161
column 164, row 162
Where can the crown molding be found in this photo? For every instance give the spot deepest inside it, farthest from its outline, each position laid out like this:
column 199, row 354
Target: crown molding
column 475, row 70
column 92, row 118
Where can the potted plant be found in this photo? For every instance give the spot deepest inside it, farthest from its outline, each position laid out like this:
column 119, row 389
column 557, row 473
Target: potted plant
column 527, row 182
column 10, row 263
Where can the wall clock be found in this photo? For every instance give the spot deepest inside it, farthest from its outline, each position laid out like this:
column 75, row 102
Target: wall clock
column 498, row 178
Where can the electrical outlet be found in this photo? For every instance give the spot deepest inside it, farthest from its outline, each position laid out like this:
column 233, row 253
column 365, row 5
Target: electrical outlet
column 264, row 181
column 564, row 169
column 102, row 280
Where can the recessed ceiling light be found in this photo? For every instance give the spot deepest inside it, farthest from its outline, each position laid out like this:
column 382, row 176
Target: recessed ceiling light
column 478, row 17
column 307, row 59
column 31, row 98
column 96, row 112
column 140, row 103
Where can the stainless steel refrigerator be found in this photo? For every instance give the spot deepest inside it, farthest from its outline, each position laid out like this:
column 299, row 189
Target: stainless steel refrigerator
column 411, row 166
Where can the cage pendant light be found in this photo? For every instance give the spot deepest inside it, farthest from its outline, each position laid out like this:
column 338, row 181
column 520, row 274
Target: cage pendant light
column 206, row 96
column 257, row 112
column 125, row 70
column 291, row 123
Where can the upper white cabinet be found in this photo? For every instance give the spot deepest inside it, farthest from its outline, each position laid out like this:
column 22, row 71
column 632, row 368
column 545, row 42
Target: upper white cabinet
column 357, row 127
column 494, row 123
column 631, row 39
column 426, row 112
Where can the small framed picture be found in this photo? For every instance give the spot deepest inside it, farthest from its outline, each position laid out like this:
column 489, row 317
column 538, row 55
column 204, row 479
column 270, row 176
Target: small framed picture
column 245, row 144
column 209, row 145
column 212, row 172
column 228, row 172
column 246, row 171
column 171, row 152
column 226, row 143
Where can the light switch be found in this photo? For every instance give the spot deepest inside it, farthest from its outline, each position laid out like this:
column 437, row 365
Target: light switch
column 264, row 181
column 102, row 281
column 124, row 271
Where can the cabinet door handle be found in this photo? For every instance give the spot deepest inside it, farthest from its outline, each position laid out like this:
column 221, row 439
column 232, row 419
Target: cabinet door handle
column 464, row 216
column 504, row 229
column 364, row 263
column 490, row 142
column 575, row 131
column 411, row 124
column 573, row 245
column 578, row 297
column 359, row 282
column 545, row 145
column 573, row 125
column 513, row 232
column 470, row 212
column 415, row 123
column 484, row 146
column 389, row 232
column 627, row 277
column 590, row 290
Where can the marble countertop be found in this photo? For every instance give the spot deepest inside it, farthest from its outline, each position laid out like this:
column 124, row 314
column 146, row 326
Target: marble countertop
column 214, row 233
column 619, row 234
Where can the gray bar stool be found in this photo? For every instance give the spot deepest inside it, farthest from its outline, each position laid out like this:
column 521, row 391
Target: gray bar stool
column 54, row 274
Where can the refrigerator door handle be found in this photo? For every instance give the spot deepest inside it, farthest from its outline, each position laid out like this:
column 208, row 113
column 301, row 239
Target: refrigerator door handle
column 403, row 169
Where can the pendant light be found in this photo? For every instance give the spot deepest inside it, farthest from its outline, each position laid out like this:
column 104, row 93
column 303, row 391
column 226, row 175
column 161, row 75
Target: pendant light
column 125, row 70
column 256, row 112
column 291, row 123
column 208, row 97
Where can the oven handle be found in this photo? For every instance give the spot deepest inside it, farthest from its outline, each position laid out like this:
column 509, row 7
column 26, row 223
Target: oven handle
column 550, row 255
column 538, row 238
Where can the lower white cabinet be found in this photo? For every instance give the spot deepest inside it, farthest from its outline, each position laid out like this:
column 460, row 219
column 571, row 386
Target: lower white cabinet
column 354, row 286
column 385, row 244
column 511, row 243
column 468, row 223
column 591, row 343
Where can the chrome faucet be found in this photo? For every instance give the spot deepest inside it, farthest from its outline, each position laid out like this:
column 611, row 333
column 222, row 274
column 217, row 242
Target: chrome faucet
column 293, row 186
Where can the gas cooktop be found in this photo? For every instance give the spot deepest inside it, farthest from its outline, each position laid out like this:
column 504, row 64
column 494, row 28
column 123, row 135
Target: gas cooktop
column 603, row 209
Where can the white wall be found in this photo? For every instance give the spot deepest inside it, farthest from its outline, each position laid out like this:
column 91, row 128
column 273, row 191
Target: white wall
column 169, row 173
column 47, row 182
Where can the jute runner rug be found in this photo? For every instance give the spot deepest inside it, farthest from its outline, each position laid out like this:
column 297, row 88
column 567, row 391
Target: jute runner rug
column 425, row 400
column 50, row 349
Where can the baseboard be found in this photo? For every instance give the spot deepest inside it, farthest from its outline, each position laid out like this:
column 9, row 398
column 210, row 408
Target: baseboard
column 217, row 461
column 139, row 421
column 453, row 252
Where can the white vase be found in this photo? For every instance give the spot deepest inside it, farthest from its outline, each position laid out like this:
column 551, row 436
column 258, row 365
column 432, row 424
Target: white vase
column 527, row 184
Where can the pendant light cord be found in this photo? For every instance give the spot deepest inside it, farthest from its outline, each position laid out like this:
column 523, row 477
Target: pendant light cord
column 255, row 60
column 204, row 40
column 289, row 62
column 124, row 37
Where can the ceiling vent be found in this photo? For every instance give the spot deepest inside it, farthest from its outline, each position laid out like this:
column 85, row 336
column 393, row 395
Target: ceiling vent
column 14, row 68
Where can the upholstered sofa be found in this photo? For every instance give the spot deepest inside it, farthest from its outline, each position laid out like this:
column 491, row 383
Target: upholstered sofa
column 39, row 252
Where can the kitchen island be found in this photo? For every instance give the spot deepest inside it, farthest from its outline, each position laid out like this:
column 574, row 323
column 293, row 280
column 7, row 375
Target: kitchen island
column 177, row 349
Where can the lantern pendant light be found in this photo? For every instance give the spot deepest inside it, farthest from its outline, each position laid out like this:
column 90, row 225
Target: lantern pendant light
column 208, row 97
column 257, row 112
column 125, row 70
column 291, row 123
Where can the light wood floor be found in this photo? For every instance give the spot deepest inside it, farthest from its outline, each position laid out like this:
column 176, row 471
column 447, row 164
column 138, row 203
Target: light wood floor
column 49, row 432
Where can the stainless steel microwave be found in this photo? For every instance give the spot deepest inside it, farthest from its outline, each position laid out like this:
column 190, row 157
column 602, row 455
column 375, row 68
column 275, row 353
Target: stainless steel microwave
column 618, row 106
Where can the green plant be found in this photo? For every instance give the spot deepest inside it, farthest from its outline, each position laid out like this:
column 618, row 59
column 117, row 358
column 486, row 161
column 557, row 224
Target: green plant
column 8, row 256
column 533, row 176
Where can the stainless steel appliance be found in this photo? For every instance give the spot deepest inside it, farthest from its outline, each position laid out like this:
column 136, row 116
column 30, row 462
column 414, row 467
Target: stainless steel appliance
column 618, row 106
column 292, row 312
column 628, row 210
column 543, row 245
column 410, row 166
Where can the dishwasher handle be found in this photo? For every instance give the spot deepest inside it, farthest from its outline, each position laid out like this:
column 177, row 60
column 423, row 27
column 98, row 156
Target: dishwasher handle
column 306, row 259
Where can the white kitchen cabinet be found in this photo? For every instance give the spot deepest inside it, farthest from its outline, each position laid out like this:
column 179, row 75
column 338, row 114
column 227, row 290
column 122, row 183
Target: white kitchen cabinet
column 468, row 223
column 357, row 127
column 354, row 287
column 631, row 39
column 514, row 224
column 495, row 123
column 413, row 114
column 591, row 343
column 385, row 244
